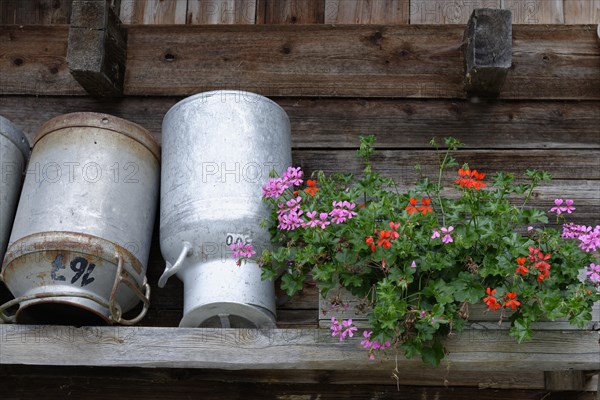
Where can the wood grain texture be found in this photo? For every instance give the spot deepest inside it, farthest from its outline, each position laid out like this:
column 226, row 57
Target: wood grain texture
column 290, row 11
column 35, row 12
column 582, row 11
column 446, row 12
column 535, row 11
column 394, row 12
column 201, row 12
column 390, row 61
column 279, row 349
column 33, row 59
column 149, row 12
column 134, row 383
column 173, row 376
column 338, row 123
column 564, row 380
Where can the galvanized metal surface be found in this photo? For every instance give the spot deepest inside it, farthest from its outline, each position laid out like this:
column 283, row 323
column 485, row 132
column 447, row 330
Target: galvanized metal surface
column 89, row 199
column 14, row 153
column 218, row 149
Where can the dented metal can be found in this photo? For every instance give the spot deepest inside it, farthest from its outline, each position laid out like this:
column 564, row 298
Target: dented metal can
column 218, row 150
column 14, row 153
column 82, row 232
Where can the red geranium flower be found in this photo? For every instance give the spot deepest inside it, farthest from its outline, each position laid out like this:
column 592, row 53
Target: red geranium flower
column 425, row 208
column 512, row 300
column 311, row 189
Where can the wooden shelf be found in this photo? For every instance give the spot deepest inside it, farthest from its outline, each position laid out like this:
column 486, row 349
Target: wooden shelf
column 314, row 349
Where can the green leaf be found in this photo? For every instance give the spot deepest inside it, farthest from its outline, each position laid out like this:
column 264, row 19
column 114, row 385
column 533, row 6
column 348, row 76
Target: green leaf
column 433, row 355
column 533, row 215
column 292, row 283
column 521, row 330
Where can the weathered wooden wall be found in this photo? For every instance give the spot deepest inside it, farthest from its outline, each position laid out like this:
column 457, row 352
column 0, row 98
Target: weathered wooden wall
column 401, row 83
column 397, row 12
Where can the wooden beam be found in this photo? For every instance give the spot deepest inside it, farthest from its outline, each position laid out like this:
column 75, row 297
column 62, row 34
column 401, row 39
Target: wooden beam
column 57, row 383
column 280, row 349
column 97, row 48
column 488, row 51
column 564, row 380
column 550, row 62
column 337, row 123
column 171, row 376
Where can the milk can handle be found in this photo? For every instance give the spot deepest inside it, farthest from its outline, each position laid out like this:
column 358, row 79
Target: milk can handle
column 115, row 309
column 171, row 269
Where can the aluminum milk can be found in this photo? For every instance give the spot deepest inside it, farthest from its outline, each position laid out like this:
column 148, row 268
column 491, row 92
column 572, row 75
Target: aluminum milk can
column 81, row 237
column 14, row 153
column 218, row 149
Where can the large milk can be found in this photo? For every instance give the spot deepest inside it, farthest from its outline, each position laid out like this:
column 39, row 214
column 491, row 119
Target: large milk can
column 218, row 149
column 81, row 237
column 14, row 153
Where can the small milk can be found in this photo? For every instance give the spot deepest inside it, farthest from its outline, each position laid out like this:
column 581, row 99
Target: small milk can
column 218, row 150
column 81, row 237
column 14, row 153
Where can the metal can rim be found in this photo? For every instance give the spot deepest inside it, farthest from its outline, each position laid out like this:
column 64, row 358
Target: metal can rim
column 102, row 121
column 212, row 93
column 15, row 135
column 72, row 241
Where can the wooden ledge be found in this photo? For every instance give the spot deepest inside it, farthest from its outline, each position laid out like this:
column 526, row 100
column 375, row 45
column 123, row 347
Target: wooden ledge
column 315, row 349
column 414, row 61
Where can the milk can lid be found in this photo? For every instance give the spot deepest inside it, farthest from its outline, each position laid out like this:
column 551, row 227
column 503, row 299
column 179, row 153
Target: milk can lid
column 103, row 121
column 15, row 135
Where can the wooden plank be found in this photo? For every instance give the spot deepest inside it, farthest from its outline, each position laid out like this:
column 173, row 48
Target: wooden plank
column 290, row 11
column 391, row 61
column 535, row 11
column 33, row 60
column 394, row 12
column 564, row 380
column 338, row 123
column 445, row 12
column 148, row 12
column 172, row 376
column 583, row 165
column 358, row 60
column 488, row 51
column 101, row 383
column 97, row 47
column 280, row 349
column 221, row 12
column 35, row 12
column 582, row 11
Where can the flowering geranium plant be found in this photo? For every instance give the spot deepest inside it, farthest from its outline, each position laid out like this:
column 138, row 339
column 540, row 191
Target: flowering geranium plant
column 419, row 258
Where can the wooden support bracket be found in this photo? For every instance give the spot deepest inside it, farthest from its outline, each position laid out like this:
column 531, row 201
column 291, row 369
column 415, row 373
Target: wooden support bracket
column 488, row 51
column 97, row 48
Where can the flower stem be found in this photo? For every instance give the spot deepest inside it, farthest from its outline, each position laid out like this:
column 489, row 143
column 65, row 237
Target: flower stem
column 439, row 186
